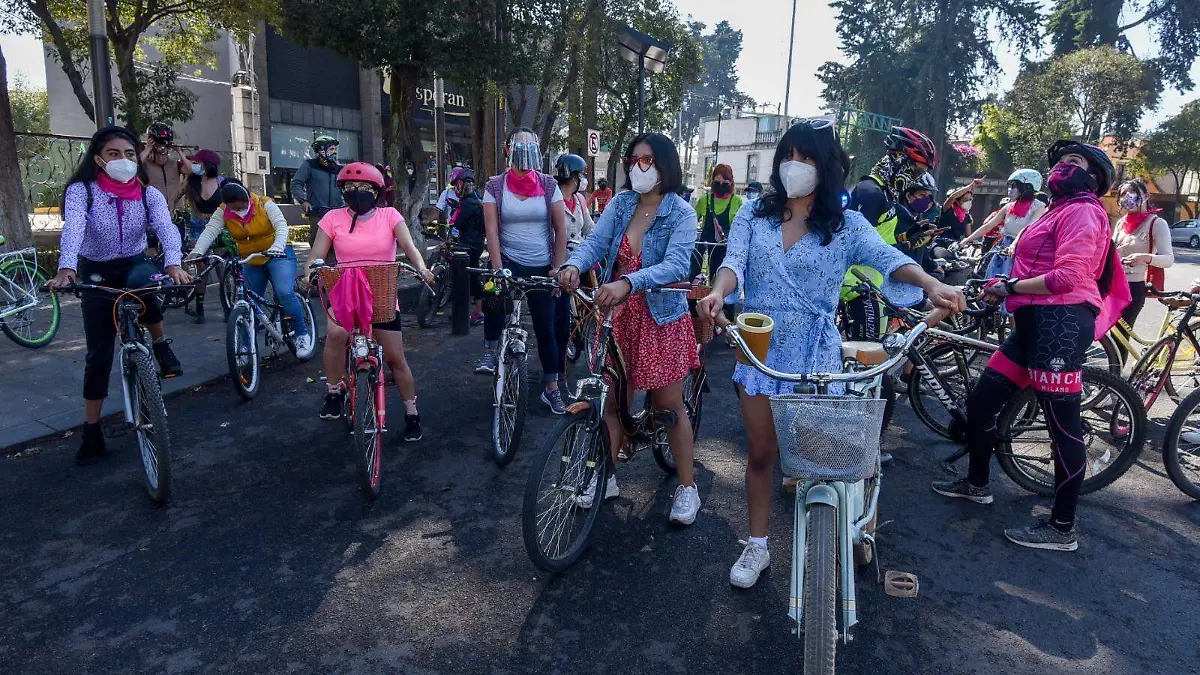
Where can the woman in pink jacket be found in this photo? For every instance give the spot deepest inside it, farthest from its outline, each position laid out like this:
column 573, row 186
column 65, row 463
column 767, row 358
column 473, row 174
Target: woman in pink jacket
column 1063, row 267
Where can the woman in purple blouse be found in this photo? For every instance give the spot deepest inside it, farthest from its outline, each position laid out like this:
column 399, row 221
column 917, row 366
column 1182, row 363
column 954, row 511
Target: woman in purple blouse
column 107, row 209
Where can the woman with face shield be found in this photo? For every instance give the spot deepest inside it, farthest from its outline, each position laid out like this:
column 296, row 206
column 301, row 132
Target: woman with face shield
column 525, row 220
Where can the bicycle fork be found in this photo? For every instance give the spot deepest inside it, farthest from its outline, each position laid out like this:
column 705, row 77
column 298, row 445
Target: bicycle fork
column 126, row 385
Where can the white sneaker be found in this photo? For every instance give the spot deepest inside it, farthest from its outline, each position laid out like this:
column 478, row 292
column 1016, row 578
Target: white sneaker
column 303, row 343
column 686, row 505
column 754, row 559
column 611, row 491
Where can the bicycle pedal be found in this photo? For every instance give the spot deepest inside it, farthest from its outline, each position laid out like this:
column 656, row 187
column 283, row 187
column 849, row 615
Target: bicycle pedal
column 901, row 584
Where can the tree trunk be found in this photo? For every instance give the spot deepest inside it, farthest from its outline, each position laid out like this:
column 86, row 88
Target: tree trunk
column 13, row 212
column 131, row 110
column 406, row 134
column 65, row 56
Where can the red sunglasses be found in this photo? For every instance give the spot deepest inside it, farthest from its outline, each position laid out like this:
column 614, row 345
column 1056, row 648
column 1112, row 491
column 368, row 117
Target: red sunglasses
column 644, row 162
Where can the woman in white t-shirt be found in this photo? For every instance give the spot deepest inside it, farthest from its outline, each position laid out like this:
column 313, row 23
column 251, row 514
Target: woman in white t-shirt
column 524, row 218
column 1019, row 213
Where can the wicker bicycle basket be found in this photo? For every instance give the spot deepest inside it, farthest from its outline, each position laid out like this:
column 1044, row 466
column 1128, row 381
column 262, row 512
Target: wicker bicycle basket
column 704, row 331
column 383, row 279
column 827, row 437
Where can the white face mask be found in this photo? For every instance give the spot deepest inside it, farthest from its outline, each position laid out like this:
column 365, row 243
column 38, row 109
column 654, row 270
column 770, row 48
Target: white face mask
column 1013, row 193
column 643, row 181
column 241, row 213
column 121, row 170
column 799, row 179
column 583, row 183
column 966, row 205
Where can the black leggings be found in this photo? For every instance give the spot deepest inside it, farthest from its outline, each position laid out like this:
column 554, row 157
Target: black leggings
column 543, row 308
column 99, row 329
column 1137, row 291
column 1045, row 351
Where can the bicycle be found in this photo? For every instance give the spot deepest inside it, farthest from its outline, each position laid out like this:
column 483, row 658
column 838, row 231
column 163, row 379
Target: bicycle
column 435, row 297
column 1181, row 446
column 365, row 410
column 251, row 313
column 511, row 380
column 1170, row 364
column 946, row 367
column 21, row 302
column 829, row 440
column 576, row 452
column 141, row 391
column 1124, row 340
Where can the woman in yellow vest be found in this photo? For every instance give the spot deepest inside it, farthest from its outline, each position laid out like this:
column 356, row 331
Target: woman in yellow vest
column 258, row 226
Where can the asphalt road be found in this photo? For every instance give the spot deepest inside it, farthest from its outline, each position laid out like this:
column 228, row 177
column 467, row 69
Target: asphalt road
column 267, row 561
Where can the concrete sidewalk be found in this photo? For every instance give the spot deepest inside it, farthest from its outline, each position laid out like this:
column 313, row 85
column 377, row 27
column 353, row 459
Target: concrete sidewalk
column 41, row 390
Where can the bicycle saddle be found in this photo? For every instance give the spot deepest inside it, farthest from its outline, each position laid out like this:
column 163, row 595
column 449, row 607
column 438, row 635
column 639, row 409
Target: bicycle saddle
column 866, row 353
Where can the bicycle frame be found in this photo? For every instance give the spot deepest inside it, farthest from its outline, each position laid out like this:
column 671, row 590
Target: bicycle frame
column 132, row 339
column 15, row 299
column 246, row 297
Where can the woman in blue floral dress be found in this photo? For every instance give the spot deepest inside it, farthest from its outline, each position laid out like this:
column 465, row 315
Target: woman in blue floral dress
column 788, row 252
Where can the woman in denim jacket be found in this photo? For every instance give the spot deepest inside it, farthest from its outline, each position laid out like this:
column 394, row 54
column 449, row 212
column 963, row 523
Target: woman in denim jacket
column 645, row 239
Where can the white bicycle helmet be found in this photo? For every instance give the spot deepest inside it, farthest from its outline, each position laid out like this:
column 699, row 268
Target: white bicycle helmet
column 1029, row 176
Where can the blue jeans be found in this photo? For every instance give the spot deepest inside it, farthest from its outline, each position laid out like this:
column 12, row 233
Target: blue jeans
column 282, row 272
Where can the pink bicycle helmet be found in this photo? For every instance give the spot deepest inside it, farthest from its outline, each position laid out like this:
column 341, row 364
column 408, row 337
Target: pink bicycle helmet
column 360, row 171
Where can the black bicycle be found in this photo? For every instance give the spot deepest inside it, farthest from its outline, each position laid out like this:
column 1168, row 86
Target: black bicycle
column 141, row 392
column 434, row 297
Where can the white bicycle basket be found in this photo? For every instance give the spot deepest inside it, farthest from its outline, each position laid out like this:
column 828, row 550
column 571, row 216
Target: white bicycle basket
column 833, row 438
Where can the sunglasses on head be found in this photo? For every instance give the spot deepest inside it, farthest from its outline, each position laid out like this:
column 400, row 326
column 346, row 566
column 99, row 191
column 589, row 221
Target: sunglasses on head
column 644, row 162
column 816, row 124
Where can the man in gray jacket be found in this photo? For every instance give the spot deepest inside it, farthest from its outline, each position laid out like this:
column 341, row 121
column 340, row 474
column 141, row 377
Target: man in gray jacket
column 315, row 183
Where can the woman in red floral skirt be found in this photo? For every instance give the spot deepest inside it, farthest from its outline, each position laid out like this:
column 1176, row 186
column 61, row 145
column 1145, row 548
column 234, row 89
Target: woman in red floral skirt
column 650, row 232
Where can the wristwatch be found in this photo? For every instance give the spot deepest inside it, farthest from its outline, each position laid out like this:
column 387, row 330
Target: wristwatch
column 1010, row 286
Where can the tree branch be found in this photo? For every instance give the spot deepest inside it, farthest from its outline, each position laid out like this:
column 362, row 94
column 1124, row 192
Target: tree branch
column 1148, row 16
column 65, row 56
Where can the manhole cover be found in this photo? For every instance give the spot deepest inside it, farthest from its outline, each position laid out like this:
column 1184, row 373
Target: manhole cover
column 901, row 584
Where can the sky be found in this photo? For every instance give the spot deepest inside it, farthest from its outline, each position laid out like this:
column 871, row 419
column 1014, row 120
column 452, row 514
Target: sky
column 762, row 68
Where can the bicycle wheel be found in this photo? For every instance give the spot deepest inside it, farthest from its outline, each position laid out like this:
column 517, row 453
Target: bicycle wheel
column 508, row 417
column 228, row 290
column 309, row 321
column 36, row 326
column 1152, row 372
column 1104, row 354
column 958, row 378
column 150, row 425
column 1185, row 371
column 554, row 525
column 1114, row 430
column 820, row 590
column 693, row 400
column 241, row 351
column 432, row 299
column 1181, row 446
column 365, row 435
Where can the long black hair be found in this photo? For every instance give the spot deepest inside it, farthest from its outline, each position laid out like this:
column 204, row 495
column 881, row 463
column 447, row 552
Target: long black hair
column 833, row 165
column 88, row 170
column 666, row 158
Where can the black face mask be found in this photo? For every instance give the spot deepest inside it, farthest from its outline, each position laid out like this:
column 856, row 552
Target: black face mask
column 722, row 189
column 360, row 201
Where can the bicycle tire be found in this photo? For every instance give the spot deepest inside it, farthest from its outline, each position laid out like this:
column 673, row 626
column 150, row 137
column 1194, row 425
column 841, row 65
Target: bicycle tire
column 1112, row 354
column 1107, row 385
column 917, row 385
column 514, row 397
column 820, row 590
column 150, row 427
column 1192, row 374
column 1151, row 373
column 593, row 462
column 241, row 352
column 228, row 290
column 34, row 279
column 306, row 309
column 1172, row 461
column 368, row 459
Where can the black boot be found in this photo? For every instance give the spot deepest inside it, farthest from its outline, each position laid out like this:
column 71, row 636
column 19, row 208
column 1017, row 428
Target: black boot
column 92, row 447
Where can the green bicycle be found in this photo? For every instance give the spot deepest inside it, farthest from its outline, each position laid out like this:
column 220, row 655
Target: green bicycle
column 28, row 317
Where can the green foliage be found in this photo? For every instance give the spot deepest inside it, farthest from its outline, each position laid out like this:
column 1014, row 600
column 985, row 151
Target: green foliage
column 1174, row 28
column 1174, row 147
column 30, row 107
column 718, row 85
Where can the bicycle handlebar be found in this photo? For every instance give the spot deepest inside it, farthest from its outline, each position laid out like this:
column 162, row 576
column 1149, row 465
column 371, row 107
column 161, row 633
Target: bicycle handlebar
column 152, row 287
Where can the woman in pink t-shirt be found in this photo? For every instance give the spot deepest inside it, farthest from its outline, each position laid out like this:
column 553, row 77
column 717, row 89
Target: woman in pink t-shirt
column 363, row 234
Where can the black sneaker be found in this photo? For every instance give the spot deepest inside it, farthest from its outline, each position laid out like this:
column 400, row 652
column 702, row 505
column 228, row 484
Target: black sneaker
column 334, row 402
column 91, row 449
column 962, row 489
column 167, row 362
column 412, row 428
column 554, row 400
column 1043, row 535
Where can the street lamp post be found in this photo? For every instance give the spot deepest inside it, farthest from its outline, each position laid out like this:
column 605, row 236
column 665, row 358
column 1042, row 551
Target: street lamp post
column 649, row 54
column 717, row 143
column 101, row 76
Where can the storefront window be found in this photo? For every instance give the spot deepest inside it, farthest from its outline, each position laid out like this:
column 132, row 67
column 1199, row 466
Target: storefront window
column 292, row 144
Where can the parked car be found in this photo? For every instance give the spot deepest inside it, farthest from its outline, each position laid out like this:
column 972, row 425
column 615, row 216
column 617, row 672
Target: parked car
column 1186, row 232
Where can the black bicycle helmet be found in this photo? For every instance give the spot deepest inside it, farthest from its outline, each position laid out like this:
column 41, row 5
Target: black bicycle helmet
column 160, row 134
column 1099, row 164
column 567, row 167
